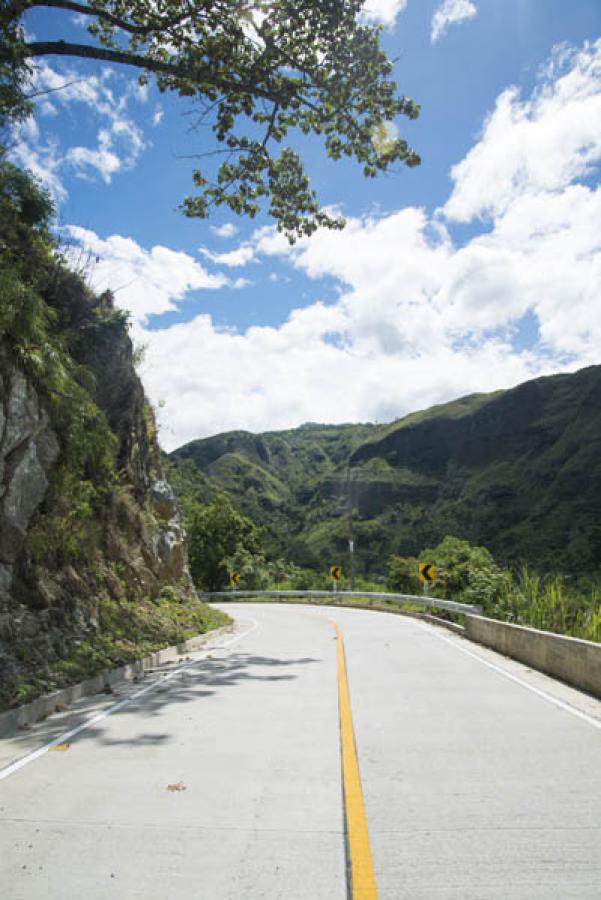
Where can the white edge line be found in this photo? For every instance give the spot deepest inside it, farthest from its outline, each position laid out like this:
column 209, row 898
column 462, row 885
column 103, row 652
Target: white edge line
column 596, row 723
column 61, row 739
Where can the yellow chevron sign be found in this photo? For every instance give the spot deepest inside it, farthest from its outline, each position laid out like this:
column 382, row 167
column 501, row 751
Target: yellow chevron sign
column 235, row 578
column 427, row 572
column 336, row 572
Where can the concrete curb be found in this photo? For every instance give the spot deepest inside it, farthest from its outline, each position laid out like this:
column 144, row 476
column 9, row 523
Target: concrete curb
column 575, row 661
column 57, row 701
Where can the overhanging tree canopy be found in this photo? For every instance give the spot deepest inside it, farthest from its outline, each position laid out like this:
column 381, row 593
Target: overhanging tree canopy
column 260, row 70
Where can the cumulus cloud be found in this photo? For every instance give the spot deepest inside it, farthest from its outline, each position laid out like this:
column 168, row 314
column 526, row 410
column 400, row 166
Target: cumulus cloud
column 241, row 256
column 296, row 373
column 451, row 12
column 535, row 145
column 411, row 287
column 224, row 231
column 102, row 159
column 382, row 12
column 145, row 282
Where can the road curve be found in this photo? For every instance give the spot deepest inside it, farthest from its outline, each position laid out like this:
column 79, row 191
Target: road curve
column 480, row 779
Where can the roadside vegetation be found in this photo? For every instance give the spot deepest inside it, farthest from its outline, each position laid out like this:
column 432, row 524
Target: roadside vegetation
column 126, row 632
column 223, row 541
column 469, row 574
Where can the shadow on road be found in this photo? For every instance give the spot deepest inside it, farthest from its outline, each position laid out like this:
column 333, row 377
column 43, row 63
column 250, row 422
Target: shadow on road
column 202, row 679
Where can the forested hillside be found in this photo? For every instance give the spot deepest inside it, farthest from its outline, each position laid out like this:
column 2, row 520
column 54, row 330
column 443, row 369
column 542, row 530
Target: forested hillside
column 518, row 471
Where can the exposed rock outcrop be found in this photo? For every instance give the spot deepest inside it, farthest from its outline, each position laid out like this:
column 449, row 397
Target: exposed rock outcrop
column 132, row 547
column 93, row 568
column 28, row 450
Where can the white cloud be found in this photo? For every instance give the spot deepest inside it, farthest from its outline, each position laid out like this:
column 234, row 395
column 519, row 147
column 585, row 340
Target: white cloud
column 243, row 254
column 382, row 12
column 411, row 287
column 119, row 139
column 158, row 116
column 296, row 373
column 451, row 12
column 227, row 230
column 103, row 160
column 146, row 282
column 43, row 161
column 141, row 91
column 47, row 108
column 533, row 146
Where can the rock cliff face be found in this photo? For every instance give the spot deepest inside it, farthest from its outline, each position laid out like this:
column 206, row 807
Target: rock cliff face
column 93, row 567
column 133, row 546
column 28, row 450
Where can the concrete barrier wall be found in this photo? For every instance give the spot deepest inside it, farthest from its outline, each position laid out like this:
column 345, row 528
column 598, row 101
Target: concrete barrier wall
column 574, row 661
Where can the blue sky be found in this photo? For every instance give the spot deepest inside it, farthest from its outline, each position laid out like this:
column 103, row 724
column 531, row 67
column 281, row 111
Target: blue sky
column 475, row 271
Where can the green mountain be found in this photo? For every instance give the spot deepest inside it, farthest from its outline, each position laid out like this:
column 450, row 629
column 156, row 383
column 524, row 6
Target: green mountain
column 518, row 471
column 278, row 478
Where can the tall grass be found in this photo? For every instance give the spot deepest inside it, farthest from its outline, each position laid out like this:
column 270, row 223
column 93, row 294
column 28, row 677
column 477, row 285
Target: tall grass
column 551, row 605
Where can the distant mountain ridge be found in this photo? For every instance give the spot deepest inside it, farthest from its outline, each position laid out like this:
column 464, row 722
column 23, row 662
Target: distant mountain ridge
column 517, row 470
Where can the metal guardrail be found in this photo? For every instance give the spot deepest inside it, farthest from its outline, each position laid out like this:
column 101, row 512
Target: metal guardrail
column 424, row 600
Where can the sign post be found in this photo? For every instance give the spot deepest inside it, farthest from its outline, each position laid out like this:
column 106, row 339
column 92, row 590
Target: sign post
column 336, row 575
column 426, row 574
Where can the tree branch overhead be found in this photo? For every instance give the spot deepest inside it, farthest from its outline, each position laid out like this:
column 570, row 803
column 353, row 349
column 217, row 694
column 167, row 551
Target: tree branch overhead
column 321, row 71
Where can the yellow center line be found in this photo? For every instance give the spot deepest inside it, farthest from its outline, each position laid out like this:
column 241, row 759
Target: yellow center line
column 361, row 870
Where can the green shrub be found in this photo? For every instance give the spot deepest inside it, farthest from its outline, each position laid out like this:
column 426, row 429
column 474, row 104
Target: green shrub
column 402, row 575
column 220, row 539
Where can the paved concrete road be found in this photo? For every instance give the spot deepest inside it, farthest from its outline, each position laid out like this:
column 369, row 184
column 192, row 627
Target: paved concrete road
column 224, row 782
